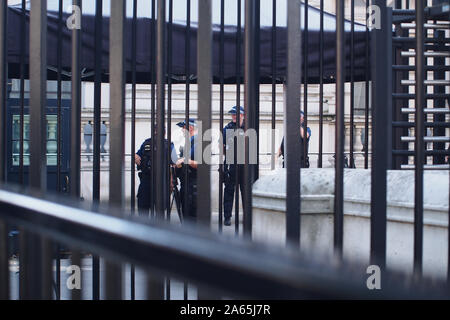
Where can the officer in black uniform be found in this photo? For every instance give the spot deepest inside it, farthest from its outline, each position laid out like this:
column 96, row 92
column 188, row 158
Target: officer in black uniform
column 189, row 209
column 143, row 160
column 304, row 161
column 230, row 168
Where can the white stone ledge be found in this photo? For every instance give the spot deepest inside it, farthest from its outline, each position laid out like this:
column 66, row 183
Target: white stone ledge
column 317, row 201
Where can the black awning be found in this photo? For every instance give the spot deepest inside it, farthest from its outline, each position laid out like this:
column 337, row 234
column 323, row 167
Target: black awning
column 143, row 64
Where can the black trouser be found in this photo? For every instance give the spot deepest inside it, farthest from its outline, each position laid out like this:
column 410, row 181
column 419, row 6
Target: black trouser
column 190, row 209
column 143, row 195
column 230, row 188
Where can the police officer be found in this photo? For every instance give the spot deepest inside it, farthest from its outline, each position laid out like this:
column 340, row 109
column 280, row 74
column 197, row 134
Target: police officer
column 143, row 160
column 188, row 208
column 231, row 168
column 304, row 161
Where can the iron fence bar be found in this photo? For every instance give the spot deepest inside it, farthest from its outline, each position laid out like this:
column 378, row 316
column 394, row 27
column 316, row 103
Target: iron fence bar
column 352, row 85
column 367, row 91
column 238, row 116
column 169, row 118
column 252, row 11
column 160, row 160
column 133, row 131
column 339, row 141
column 169, row 94
column 39, row 265
column 153, row 58
column 221, row 120
column 274, row 79
column 75, row 126
column 4, row 257
column 22, row 92
column 187, row 146
column 59, row 136
column 4, row 261
column 321, row 57
column 97, row 131
column 439, row 131
column 419, row 146
column 293, row 148
column 113, row 286
column 187, row 149
column 155, row 286
column 381, row 139
column 305, row 79
column 204, row 73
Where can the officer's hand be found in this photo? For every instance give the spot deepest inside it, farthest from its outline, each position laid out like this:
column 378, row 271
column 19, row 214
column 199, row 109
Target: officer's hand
column 180, row 163
column 137, row 159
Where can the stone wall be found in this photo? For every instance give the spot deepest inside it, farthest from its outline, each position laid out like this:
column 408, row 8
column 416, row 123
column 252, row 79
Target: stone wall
column 317, row 194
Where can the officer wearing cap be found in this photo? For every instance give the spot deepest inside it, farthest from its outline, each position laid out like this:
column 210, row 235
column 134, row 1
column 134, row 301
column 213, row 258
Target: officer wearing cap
column 143, row 160
column 304, row 161
column 230, row 168
column 189, row 209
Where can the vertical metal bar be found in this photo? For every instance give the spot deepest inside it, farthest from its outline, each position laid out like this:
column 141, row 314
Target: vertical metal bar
column 419, row 146
column 75, row 126
column 169, row 95
column 97, row 128
column 381, row 100
column 293, row 148
column 36, row 269
column 367, row 83
column 161, row 82
column 38, row 94
column 238, row 115
column 169, row 117
column 204, row 72
column 305, row 81
column 133, row 130
column 340, row 134
column 4, row 261
column 274, row 79
column 156, row 288
column 187, row 55
column 221, row 125
column 59, row 134
column 321, row 53
column 352, row 85
column 153, row 105
column 75, row 111
column 251, row 98
column 439, row 131
column 3, row 84
column 187, row 149
column 22, row 90
column 113, row 283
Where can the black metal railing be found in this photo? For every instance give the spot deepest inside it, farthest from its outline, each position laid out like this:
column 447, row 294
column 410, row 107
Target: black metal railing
column 157, row 53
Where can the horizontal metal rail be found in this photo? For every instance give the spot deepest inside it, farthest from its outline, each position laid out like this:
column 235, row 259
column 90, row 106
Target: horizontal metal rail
column 427, row 139
column 248, row 270
column 427, row 110
column 426, row 26
column 426, row 167
column 427, row 54
column 427, row 82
